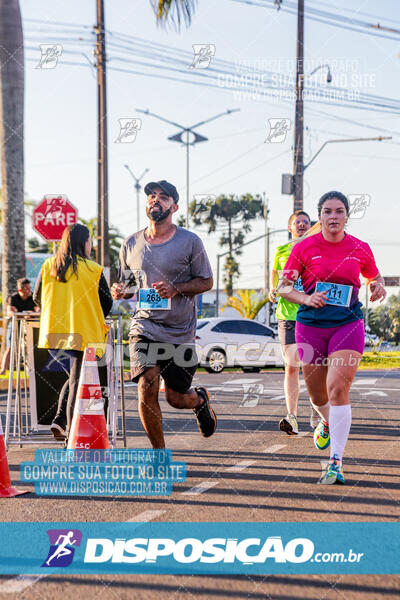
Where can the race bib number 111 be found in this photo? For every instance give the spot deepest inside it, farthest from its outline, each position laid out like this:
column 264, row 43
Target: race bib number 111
column 336, row 293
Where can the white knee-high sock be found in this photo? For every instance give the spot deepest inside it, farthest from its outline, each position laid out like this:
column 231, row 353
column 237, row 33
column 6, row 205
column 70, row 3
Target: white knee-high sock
column 339, row 428
column 323, row 411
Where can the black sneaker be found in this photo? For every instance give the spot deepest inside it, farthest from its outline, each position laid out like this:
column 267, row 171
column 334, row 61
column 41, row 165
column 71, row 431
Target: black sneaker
column 57, row 428
column 206, row 418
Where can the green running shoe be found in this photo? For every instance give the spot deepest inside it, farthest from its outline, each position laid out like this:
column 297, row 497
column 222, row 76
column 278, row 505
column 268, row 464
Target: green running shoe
column 334, row 472
column 321, row 435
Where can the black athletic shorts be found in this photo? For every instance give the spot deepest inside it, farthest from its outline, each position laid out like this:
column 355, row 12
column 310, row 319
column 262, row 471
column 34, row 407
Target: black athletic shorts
column 177, row 362
column 286, row 331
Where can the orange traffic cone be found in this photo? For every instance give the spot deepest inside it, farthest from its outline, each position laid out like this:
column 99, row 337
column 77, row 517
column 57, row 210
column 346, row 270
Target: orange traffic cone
column 162, row 385
column 6, row 491
column 88, row 428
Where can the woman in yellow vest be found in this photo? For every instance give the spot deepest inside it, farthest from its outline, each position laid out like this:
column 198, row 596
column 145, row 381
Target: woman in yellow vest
column 75, row 299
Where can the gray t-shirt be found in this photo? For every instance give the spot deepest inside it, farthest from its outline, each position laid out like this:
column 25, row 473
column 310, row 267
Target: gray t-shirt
column 178, row 260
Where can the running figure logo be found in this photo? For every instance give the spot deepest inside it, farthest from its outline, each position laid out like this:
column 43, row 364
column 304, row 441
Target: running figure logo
column 50, row 55
column 62, row 547
column 251, row 394
column 278, row 130
column 204, row 205
column 203, row 54
column 358, row 204
column 128, row 129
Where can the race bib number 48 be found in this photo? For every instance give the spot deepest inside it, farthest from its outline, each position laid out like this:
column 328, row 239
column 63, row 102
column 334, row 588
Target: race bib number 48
column 150, row 300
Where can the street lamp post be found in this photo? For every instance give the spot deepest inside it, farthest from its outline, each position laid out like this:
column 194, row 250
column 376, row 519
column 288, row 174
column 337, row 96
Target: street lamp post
column 298, row 164
column 183, row 138
column 137, row 188
column 371, row 139
column 288, row 180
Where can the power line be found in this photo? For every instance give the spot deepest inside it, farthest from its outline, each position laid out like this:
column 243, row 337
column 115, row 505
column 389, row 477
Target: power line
column 254, row 168
column 176, row 61
column 180, row 59
column 351, row 10
column 329, row 18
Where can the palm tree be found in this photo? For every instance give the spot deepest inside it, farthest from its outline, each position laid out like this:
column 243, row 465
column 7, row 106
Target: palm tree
column 247, row 303
column 115, row 238
column 11, row 140
column 174, row 10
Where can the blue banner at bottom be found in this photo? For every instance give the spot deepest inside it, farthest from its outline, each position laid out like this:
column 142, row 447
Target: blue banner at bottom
column 200, row 548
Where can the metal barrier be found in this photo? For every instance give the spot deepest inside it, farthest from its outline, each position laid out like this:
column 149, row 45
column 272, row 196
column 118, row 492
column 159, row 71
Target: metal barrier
column 35, row 400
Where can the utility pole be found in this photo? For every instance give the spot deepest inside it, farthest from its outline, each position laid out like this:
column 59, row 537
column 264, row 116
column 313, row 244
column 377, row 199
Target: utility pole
column 187, row 180
column 103, row 244
column 267, row 260
column 137, row 188
column 266, row 246
column 298, row 123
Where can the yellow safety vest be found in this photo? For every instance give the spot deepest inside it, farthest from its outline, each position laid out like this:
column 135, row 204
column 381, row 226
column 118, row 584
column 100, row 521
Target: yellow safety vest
column 71, row 315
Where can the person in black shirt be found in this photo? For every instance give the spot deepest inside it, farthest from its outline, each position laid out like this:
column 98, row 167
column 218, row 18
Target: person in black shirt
column 21, row 301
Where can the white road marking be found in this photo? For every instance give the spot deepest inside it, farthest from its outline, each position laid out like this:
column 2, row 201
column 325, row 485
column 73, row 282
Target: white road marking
column 22, row 582
column 221, row 388
column 19, row 584
column 199, row 489
column 389, row 389
column 241, row 381
column 275, row 448
column 277, row 397
column 145, row 516
column 240, row 466
column 302, row 389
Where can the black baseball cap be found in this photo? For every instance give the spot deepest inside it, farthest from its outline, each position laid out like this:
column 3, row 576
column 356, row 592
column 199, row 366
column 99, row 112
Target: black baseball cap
column 166, row 187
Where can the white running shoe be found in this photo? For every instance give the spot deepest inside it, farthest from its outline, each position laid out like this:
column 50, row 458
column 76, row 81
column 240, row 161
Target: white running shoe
column 314, row 418
column 289, row 425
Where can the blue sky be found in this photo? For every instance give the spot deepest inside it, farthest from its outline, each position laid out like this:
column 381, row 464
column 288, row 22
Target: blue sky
column 60, row 125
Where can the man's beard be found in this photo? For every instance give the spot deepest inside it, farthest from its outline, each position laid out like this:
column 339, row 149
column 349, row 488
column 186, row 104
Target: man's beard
column 159, row 215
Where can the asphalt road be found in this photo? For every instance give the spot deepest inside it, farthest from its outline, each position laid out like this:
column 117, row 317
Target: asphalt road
column 248, row 471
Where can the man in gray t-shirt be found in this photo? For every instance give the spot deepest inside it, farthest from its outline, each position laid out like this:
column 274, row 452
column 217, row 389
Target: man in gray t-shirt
column 180, row 259
column 167, row 266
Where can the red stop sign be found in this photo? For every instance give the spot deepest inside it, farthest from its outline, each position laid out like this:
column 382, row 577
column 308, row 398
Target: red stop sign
column 52, row 215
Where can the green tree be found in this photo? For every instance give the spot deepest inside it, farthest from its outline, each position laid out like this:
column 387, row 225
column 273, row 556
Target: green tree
column 115, row 236
column 247, row 303
column 384, row 320
column 36, row 245
column 235, row 214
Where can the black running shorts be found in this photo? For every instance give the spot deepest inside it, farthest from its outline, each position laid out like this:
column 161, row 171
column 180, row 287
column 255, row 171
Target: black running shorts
column 177, row 362
column 286, row 330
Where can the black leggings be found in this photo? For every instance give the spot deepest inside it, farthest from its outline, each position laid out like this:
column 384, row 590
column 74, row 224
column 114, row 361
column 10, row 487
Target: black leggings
column 66, row 400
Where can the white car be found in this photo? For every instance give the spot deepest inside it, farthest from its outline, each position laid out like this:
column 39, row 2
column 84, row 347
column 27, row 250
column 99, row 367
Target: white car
column 229, row 342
